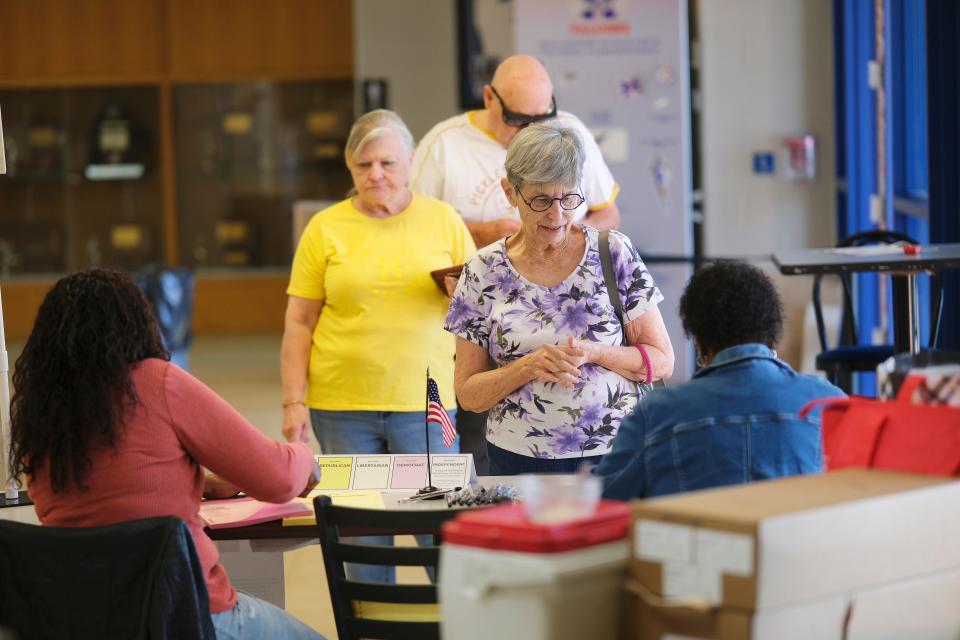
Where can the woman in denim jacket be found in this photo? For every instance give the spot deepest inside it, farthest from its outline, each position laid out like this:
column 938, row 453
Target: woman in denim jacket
column 736, row 421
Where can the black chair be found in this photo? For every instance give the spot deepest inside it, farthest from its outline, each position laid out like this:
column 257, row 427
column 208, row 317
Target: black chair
column 848, row 356
column 349, row 597
column 140, row 579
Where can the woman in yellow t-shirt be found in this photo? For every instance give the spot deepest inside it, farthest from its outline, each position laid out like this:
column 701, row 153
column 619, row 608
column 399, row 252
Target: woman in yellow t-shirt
column 364, row 318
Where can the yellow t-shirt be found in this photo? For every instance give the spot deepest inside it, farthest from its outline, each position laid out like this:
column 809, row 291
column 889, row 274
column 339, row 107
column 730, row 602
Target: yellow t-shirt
column 381, row 324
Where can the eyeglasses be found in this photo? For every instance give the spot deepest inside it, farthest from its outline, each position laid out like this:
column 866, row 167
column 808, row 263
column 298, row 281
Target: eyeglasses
column 517, row 120
column 568, row 201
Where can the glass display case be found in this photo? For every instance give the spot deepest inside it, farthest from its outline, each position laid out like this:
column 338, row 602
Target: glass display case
column 174, row 132
column 83, row 185
column 244, row 153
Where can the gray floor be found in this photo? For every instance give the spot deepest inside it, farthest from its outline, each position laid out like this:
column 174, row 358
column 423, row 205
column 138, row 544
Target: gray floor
column 245, row 370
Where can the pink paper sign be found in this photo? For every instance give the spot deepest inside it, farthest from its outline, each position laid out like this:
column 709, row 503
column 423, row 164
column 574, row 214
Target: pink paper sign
column 409, row 472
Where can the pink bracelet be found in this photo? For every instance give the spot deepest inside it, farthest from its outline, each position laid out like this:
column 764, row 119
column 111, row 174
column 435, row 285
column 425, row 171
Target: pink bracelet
column 646, row 363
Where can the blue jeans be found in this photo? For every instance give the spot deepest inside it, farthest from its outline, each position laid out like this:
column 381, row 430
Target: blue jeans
column 252, row 618
column 508, row 463
column 353, row 432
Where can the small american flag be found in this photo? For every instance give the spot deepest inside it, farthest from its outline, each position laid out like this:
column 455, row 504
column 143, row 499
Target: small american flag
column 438, row 415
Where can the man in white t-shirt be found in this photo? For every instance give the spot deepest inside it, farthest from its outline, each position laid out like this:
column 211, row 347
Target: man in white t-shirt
column 461, row 159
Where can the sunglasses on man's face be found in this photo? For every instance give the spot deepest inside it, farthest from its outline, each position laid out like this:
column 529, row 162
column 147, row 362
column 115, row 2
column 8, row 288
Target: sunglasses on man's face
column 517, row 120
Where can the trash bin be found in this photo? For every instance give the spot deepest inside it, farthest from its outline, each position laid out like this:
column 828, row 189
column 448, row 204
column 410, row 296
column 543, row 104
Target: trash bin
column 503, row 577
column 170, row 292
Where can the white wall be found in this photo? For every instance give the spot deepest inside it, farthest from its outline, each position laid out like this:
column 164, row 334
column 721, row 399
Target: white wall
column 413, row 45
column 767, row 73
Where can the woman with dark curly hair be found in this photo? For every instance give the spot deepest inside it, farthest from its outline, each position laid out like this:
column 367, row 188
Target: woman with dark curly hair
column 736, row 421
column 106, row 430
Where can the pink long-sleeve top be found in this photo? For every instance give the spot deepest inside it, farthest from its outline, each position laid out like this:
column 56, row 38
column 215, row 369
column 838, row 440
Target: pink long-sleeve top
column 155, row 470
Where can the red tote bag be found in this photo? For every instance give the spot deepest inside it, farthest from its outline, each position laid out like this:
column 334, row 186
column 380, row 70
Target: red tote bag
column 897, row 435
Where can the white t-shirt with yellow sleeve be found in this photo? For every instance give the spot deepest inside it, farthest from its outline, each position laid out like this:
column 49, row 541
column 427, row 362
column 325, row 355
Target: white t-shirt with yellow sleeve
column 381, row 324
column 462, row 164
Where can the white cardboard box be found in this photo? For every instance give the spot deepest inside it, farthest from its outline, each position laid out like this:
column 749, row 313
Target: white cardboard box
column 772, row 544
column 919, row 608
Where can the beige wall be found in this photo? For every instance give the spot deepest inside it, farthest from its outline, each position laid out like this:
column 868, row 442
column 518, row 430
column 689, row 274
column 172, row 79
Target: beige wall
column 412, row 44
column 767, row 73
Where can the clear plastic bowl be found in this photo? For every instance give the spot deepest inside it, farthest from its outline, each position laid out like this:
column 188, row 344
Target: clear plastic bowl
column 550, row 499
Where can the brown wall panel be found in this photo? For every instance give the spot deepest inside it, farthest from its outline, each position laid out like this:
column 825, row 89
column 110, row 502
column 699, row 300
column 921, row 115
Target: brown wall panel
column 250, row 38
column 21, row 299
column 73, row 40
column 238, row 304
column 234, row 304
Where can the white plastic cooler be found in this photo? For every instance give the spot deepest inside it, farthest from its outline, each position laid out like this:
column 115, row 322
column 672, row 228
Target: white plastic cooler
column 503, row 577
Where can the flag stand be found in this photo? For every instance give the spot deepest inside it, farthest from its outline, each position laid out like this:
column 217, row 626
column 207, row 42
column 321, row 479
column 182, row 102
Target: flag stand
column 426, row 430
column 11, row 486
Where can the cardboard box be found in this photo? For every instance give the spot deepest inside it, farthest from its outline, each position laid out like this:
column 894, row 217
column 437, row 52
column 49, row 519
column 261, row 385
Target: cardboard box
column 773, row 544
column 924, row 607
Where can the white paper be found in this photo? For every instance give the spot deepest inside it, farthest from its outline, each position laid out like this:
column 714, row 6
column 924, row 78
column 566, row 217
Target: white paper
column 875, row 250
column 221, row 511
column 371, row 472
column 683, row 581
column 614, row 143
column 727, row 552
column 450, row 471
column 387, row 472
column 663, row 541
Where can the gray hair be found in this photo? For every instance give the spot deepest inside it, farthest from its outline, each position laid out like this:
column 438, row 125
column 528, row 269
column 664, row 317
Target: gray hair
column 545, row 153
column 373, row 125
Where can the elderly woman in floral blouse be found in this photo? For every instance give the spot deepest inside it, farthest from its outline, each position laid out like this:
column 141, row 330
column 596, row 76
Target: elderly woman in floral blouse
column 535, row 304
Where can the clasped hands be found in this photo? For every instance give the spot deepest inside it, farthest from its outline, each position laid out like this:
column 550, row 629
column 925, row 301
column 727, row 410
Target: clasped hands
column 561, row 363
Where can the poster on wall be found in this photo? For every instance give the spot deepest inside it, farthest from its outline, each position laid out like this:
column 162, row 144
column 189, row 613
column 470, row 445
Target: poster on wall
column 621, row 66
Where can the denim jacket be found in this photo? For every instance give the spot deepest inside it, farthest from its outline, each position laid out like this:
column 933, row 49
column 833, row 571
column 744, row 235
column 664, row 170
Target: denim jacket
column 735, row 421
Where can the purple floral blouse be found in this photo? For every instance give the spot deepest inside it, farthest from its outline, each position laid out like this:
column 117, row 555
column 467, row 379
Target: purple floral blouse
column 498, row 309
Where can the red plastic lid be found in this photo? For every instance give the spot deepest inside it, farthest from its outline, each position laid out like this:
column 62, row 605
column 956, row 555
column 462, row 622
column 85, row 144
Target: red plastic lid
column 507, row 528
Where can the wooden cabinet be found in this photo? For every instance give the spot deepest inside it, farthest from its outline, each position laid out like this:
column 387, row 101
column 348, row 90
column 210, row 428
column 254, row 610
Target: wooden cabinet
column 93, row 41
column 55, row 217
column 239, row 38
column 245, row 152
column 243, row 106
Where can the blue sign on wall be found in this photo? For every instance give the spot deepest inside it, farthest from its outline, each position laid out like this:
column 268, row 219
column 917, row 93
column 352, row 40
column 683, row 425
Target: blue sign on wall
column 763, row 162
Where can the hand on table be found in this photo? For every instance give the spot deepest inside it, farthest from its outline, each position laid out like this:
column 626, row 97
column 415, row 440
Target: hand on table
column 216, row 488
column 312, row 481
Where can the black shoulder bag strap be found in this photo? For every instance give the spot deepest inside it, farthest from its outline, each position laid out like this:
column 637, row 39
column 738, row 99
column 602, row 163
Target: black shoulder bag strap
column 606, row 263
